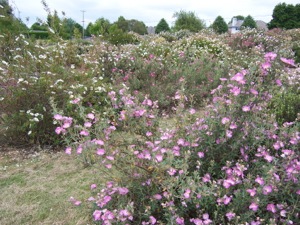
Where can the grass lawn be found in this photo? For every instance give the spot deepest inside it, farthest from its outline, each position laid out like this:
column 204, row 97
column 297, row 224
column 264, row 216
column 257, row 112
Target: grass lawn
column 36, row 189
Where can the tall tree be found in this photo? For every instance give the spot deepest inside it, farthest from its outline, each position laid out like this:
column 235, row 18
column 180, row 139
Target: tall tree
column 286, row 16
column 188, row 20
column 249, row 22
column 123, row 24
column 137, row 26
column 162, row 26
column 219, row 25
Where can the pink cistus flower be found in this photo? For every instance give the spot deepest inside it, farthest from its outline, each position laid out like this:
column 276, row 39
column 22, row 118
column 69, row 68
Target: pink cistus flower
column 290, row 62
column 246, row 108
column 253, row 206
column 180, row 220
column 271, row 207
column 230, row 215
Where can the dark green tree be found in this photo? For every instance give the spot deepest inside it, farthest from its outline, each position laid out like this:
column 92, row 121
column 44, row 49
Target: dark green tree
column 188, row 21
column 162, row 26
column 285, row 16
column 137, row 26
column 249, row 22
column 219, row 25
column 123, row 24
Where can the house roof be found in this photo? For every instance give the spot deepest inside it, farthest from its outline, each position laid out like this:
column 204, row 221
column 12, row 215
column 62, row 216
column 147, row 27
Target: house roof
column 261, row 25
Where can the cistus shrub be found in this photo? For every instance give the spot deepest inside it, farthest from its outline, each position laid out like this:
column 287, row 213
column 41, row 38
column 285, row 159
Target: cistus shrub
column 234, row 165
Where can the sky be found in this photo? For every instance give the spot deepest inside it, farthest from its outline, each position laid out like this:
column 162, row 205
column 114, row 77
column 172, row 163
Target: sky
column 150, row 11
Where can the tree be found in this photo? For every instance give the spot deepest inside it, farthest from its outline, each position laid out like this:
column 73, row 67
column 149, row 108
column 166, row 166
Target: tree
column 122, row 23
column 188, row 20
column 162, row 26
column 100, row 27
column 249, row 22
column 286, row 16
column 131, row 25
column 219, row 25
column 8, row 22
column 137, row 26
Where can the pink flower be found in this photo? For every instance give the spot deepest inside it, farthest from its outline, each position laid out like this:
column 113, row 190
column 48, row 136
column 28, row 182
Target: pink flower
column 271, row 208
column 87, row 124
column 192, row 111
column 200, row 154
column 159, row 158
column 187, row 193
column 206, row 178
column 180, row 141
column 253, row 91
column 270, row 56
column 252, row 192
column 171, row 171
column 67, row 124
column 148, row 134
column 228, row 183
column 278, row 82
column 239, row 77
column 79, row 150
column 152, row 220
column 90, row 116
column 100, row 151
column 230, row 215
column 259, row 180
column 123, row 190
column 97, row 215
column 246, row 108
column 68, row 150
column 59, row 130
column 228, row 133
column 225, row 120
column 84, row 133
column 290, row 62
column 233, row 126
column 58, row 117
column 93, row 186
column 226, row 200
column 99, row 142
column 267, row 189
column 266, row 65
column 75, row 101
column 180, row 220
column 253, row 206
column 157, row 196
column 235, row 90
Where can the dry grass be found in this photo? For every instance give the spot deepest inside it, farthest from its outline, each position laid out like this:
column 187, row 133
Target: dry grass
column 36, row 190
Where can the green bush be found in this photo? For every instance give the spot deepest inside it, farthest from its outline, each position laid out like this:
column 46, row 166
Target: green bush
column 286, row 106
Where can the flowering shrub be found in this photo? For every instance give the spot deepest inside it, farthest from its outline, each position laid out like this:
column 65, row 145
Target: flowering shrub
column 236, row 165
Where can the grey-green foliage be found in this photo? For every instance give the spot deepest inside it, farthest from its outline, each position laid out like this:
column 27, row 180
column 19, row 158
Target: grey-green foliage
column 188, row 21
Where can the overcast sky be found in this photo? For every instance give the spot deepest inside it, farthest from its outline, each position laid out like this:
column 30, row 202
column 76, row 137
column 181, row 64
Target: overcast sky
column 149, row 11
